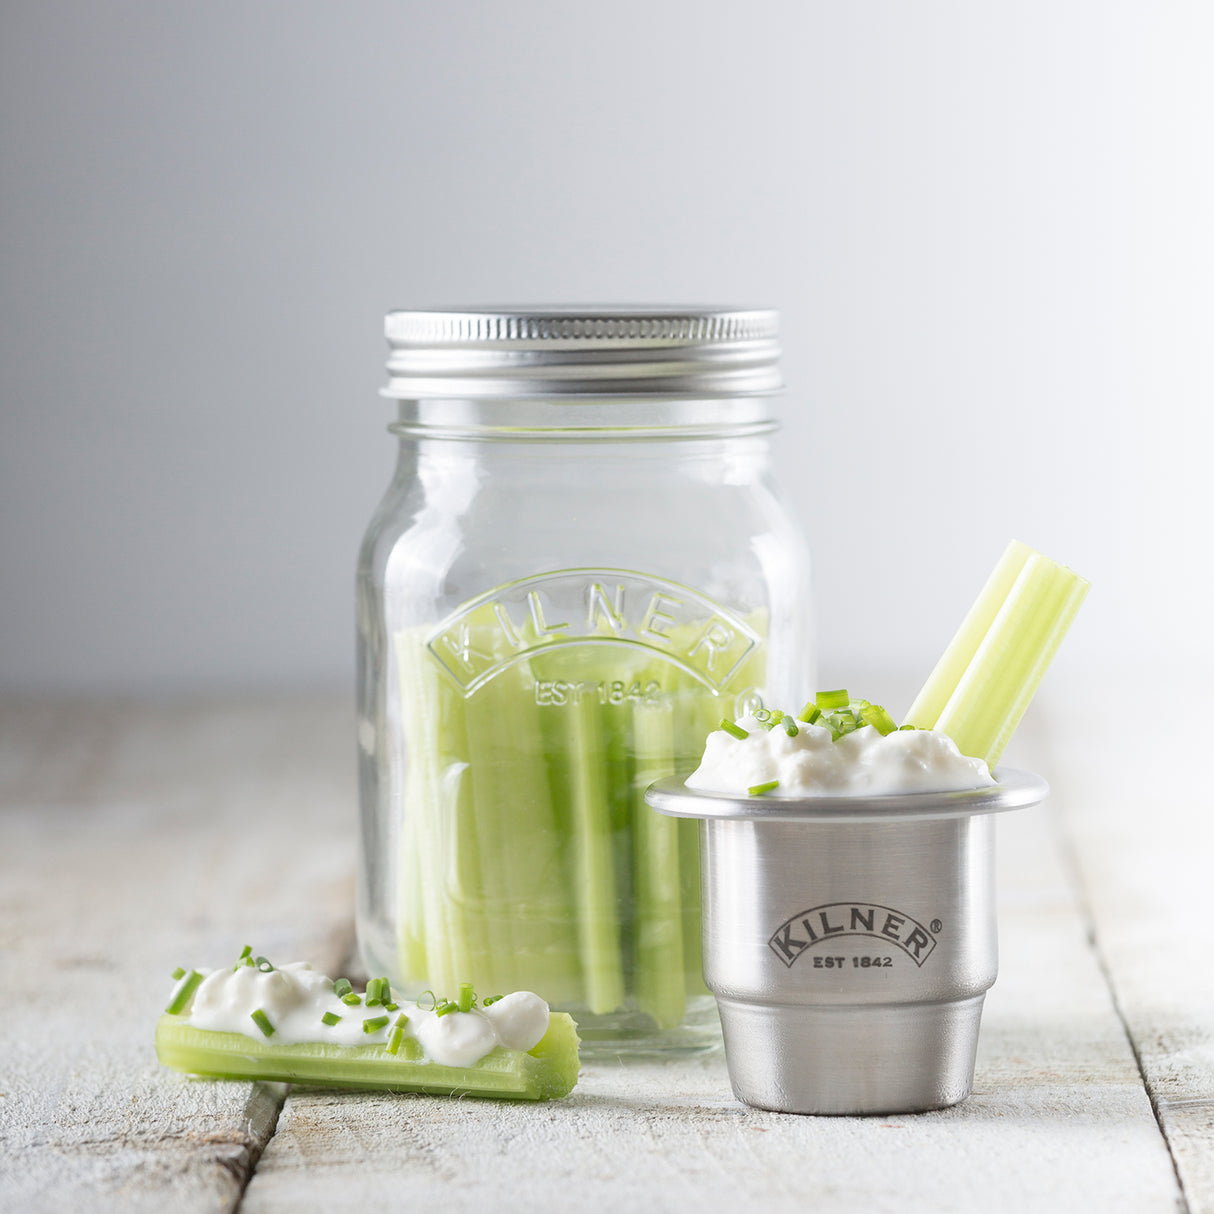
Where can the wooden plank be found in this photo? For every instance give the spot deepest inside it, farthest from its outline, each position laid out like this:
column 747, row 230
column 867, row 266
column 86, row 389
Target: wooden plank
column 1139, row 811
column 131, row 840
column 1059, row 1119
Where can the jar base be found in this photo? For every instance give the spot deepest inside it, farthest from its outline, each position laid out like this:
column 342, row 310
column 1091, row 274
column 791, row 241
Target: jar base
column 631, row 1034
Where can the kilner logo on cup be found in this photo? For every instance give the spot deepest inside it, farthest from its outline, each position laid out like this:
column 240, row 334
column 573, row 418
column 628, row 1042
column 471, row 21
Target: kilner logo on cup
column 837, row 919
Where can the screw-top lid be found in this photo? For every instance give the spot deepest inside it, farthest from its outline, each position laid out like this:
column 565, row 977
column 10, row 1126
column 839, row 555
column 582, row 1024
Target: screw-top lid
column 592, row 352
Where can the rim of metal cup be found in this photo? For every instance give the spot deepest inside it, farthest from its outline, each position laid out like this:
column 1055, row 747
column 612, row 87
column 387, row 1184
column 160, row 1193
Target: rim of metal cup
column 1013, row 789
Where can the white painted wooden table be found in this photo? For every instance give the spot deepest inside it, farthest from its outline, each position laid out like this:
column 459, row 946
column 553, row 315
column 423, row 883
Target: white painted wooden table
column 135, row 838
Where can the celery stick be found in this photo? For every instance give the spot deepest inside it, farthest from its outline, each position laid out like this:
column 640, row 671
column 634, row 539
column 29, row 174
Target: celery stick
column 547, row 1072
column 930, row 702
column 585, row 773
column 441, row 833
column 658, row 978
column 527, row 906
column 991, row 695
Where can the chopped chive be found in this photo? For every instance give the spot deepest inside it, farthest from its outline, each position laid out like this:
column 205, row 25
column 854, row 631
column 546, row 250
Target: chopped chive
column 249, row 963
column 445, row 1007
column 832, row 699
column 391, row 1007
column 757, row 790
column 262, row 1021
column 733, row 730
column 790, row 727
column 777, row 716
column 433, row 1001
column 908, row 727
column 761, row 715
column 342, row 987
column 351, row 999
column 879, row 719
column 373, row 996
column 398, row 1032
column 247, row 951
column 177, row 974
column 264, row 966
column 183, row 993
column 810, row 713
column 467, row 997
column 330, row 1018
column 375, row 1023
column 491, row 999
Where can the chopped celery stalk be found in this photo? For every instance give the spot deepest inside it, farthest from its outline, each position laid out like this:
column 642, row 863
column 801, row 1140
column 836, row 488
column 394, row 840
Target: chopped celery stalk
column 658, row 984
column 832, row 699
column 547, row 1072
column 594, row 886
column 942, row 682
column 520, row 838
column 1008, row 666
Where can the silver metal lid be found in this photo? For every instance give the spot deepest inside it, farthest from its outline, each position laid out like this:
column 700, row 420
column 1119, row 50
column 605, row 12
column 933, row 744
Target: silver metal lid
column 588, row 353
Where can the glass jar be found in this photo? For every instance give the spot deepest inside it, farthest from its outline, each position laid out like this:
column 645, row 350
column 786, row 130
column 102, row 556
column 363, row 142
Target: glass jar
column 581, row 565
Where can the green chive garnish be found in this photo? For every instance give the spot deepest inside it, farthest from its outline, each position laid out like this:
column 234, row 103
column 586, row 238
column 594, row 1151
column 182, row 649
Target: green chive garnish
column 342, row 987
column 330, row 1018
column 908, row 727
column 810, row 713
column 375, row 1023
column 832, row 699
column 757, row 790
column 177, row 974
column 777, row 716
column 491, row 999
column 446, row 1007
column 264, row 966
column 467, row 997
column 733, row 730
column 184, row 993
column 790, row 727
column 398, row 1032
column 374, row 986
column 262, row 1021
column 391, row 1007
column 247, row 951
column 879, row 719
column 351, row 999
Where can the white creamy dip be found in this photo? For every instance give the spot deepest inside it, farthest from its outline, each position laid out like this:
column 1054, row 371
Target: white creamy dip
column 295, row 998
column 863, row 763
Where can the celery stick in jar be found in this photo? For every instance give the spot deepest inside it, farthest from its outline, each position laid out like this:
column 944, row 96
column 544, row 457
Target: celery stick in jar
column 658, row 974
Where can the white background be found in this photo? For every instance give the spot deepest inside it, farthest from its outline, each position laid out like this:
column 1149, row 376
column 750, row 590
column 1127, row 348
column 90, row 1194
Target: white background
column 989, row 227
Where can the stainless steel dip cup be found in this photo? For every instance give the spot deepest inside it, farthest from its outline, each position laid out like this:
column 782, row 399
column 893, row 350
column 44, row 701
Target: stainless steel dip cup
column 849, row 941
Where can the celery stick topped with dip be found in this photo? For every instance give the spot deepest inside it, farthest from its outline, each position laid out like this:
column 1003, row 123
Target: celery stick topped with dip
column 955, row 730
column 290, row 1023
